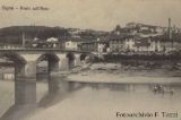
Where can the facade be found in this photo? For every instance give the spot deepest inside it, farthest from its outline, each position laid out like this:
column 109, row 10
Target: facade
column 137, row 37
column 122, row 44
column 52, row 42
column 79, row 43
column 118, row 42
column 102, row 47
column 88, row 46
column 71, row 45
column 48, row 43
column 141, row 45
column 135, row 44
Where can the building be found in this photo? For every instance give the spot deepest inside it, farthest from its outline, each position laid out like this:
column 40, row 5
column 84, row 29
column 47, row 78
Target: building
column 71, row 45
column 52, row 42
column 121, row 43
column 142, row 45
column 88, row 46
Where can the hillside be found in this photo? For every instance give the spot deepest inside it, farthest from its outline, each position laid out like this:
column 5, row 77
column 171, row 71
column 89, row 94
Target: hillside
column 14, row 34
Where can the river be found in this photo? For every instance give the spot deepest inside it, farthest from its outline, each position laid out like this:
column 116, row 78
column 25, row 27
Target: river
column 103, row 104
column 106, row 102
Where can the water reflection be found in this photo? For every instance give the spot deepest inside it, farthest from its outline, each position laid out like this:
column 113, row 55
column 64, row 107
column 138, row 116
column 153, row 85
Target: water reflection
column 103, row 101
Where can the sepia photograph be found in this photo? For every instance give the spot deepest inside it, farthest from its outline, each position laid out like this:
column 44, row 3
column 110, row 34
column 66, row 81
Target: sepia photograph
column 90, row 60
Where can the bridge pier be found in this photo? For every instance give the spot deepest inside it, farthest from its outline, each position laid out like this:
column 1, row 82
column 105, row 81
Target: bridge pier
column 53, row 67
column 77, row 61
column 56, row 81
column 25, row 83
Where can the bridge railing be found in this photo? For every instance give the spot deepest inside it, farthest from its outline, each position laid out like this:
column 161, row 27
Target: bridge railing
column 8, row 47
column 42, row 50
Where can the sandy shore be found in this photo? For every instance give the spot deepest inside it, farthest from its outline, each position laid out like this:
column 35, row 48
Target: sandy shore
column 114, row 73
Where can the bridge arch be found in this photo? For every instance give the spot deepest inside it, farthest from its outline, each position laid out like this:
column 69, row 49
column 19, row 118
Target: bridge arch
column 18, row 61
column 48, row 56
column 14, row 57
column 52, row 60
column 52, row 65
column 25, row 81
column 83, row 57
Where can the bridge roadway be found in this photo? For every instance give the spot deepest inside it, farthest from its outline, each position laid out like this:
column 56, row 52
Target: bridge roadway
column 42, row 50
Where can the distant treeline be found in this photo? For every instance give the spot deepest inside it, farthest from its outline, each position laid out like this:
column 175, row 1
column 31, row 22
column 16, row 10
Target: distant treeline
column 14, row 34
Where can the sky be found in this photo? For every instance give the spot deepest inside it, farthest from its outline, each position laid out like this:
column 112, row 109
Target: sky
column 91, row 14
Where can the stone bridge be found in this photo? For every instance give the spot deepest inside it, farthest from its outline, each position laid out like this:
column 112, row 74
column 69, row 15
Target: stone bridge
column 25, row 63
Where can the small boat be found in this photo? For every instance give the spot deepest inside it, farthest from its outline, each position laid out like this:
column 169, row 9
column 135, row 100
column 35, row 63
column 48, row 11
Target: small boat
column 159, row 89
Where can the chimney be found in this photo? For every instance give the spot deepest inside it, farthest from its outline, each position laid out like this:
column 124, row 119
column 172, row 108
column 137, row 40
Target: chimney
column 169, row 29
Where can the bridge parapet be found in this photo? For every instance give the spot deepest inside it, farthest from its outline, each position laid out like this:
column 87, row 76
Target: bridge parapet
column 42, row 50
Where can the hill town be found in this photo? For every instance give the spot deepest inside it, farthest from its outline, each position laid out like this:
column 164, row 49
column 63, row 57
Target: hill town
column 133, row 37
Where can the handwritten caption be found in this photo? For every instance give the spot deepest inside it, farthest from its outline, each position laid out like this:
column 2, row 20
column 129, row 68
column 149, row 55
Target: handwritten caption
column 24, row 8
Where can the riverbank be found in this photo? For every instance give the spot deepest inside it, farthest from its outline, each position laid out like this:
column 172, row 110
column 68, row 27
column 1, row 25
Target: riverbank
column 118, row 73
